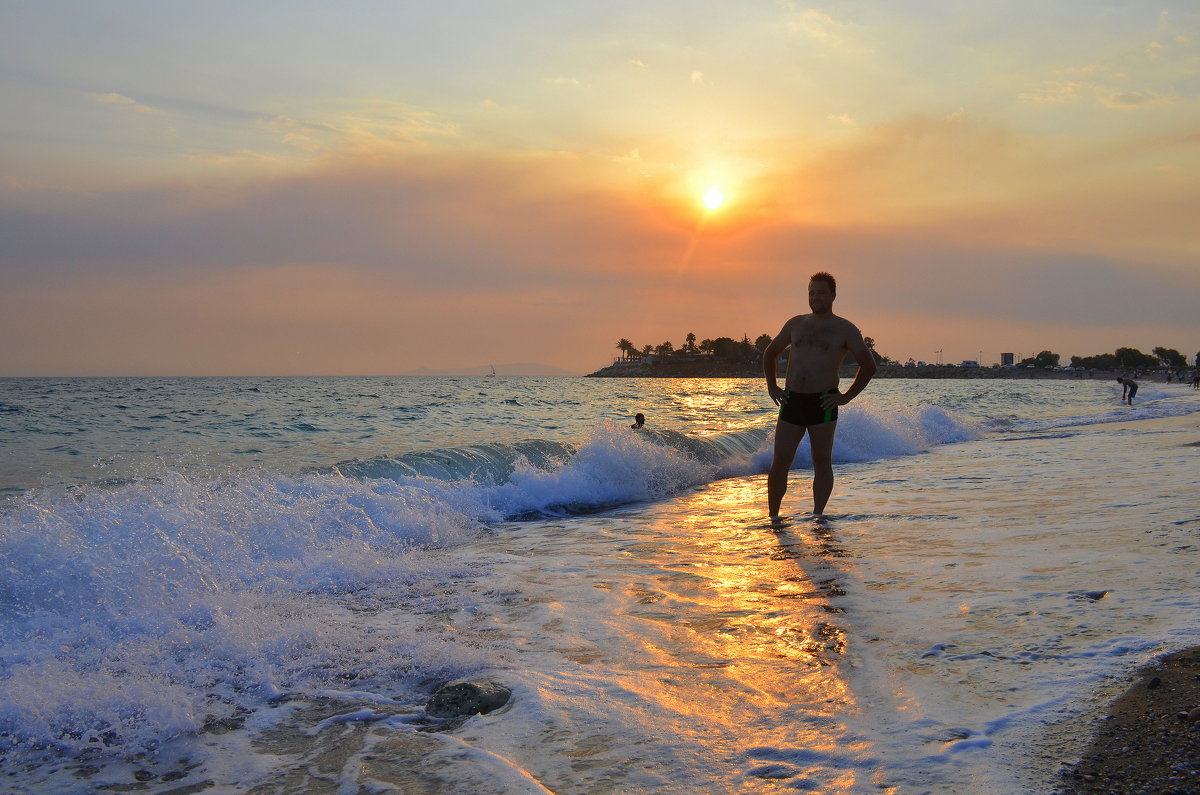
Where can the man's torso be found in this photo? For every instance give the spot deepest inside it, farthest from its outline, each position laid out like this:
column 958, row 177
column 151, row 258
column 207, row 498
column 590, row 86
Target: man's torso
column 818, row 346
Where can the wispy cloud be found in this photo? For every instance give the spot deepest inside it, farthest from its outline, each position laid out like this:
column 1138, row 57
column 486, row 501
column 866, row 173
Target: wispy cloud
column 121, row 100
column 815, row 23
column 1055, row 92
column 1134, row 99
column 819, row 26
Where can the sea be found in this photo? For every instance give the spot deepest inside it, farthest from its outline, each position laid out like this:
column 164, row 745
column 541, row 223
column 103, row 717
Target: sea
column 256, row 585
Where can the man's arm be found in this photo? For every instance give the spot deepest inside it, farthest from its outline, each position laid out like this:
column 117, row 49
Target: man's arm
column 866, row 369
column 770, row 356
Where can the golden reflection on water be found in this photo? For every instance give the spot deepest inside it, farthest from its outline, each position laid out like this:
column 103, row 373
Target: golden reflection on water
column 750, row 616
column 706, row 399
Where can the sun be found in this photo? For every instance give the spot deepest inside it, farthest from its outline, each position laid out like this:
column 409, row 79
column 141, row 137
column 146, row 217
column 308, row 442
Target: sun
column 713, row 198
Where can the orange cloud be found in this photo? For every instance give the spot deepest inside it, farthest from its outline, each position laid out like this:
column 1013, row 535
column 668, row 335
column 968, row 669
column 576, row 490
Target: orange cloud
column 387, row 263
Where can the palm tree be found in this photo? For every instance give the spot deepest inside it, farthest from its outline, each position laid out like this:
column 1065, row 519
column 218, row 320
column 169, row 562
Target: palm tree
column 626, row 348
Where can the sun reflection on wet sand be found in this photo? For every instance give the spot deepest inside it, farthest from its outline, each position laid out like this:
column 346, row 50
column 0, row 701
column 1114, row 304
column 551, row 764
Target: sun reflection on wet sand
column 743, row 630
column 677, row 647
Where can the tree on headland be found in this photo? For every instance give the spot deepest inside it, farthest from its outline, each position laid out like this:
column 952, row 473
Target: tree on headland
column 725, row 348
column 1103, row 361
column 1169, row 357
column 1134, row 359
column 1043, row 359
column 879, row 357
column 730, row 349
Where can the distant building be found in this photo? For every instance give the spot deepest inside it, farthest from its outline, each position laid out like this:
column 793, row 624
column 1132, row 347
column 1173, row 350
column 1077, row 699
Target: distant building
column 1006, row 360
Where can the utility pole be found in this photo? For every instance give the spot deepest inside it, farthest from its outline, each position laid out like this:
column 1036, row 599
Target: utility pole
column 939, row 356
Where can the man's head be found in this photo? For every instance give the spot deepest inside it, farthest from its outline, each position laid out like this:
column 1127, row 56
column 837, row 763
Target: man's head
column 822, row 289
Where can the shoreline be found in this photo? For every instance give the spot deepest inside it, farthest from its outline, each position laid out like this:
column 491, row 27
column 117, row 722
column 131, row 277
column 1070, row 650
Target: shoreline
column 713, row 368
column 1149, row 737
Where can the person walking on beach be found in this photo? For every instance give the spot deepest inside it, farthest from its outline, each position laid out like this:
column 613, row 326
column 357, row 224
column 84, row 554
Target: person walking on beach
column 818, row 343
column 1128, row 386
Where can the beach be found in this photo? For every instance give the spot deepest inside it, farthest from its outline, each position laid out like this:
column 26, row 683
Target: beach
column 1149, row 740
column 997, row 565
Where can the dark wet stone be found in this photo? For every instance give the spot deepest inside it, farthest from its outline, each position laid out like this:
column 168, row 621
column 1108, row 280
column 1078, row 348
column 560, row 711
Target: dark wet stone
column 461, row 699
column 190, row 789
column 775, row 771
column 953, row 735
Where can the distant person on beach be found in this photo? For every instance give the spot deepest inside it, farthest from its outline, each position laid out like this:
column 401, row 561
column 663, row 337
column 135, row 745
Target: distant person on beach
column 1128, row 386
column 639, row 420
column 1196, row 380
column 818, row 343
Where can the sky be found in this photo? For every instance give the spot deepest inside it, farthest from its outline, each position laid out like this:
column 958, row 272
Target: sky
column 304, row 188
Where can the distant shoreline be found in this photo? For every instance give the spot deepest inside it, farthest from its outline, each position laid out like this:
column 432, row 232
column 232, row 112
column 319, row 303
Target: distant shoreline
column 711, row 368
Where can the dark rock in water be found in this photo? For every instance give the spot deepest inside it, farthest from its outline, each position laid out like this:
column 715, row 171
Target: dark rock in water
column 463, row 699
column 1154, row 682
column 1095, row 596
column 954, row 735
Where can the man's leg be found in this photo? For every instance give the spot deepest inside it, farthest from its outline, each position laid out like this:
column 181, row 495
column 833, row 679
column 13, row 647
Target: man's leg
column 820, row 440
column 787, row 439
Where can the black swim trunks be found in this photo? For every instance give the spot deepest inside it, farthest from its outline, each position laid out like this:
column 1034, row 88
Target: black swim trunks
column 804, row 408
column 1132, row 390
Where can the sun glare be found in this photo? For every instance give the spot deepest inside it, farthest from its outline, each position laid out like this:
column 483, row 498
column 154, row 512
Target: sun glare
column 713, row 198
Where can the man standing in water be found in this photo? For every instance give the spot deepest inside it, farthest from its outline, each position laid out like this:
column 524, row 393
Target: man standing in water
column 819, row 342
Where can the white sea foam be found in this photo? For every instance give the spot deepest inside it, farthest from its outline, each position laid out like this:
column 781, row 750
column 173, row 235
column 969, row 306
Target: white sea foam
column 182, row 601
column 125, row 607
column 135, row 614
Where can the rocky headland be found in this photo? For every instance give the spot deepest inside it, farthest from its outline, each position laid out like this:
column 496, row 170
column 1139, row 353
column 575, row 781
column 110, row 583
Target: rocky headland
column 713, row 367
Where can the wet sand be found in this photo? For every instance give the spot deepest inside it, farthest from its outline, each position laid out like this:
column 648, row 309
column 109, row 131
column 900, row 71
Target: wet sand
column 1150, row 739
